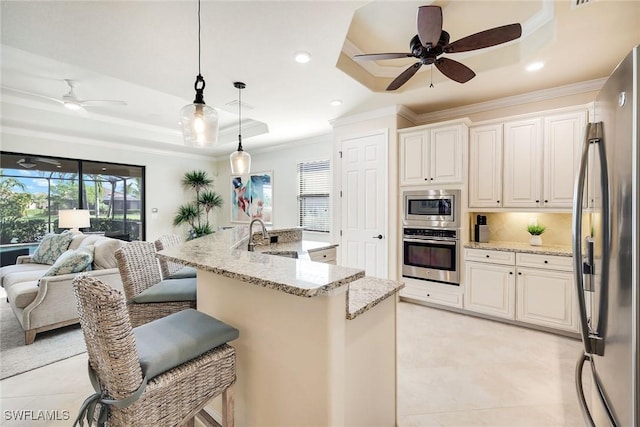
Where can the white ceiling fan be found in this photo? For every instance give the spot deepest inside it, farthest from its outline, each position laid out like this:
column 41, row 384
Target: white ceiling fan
column 30, row 162
column 71, row 101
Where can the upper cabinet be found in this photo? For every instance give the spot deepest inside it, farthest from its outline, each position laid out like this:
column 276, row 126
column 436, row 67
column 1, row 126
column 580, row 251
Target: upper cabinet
column 522, row 163
column 526, row 163
column 432, row 154
column 485, row 166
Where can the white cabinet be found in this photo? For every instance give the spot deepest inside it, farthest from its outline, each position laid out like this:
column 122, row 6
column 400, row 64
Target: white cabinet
column 526, row 163
column 327, row 256
column 490, row 289
column 431, row 292
column 490, row 282
column 529, row 288
column 485, row 166
column 432, row 154
column 522, row 163
column 563, row 135
column 546, row 295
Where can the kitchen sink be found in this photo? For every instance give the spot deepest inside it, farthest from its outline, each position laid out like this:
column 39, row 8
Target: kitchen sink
column 287, row 254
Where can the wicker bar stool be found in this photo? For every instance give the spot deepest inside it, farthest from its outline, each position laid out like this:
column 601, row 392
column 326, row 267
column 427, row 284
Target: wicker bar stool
column 159, row 374
column 148, row 296
column 170, row 269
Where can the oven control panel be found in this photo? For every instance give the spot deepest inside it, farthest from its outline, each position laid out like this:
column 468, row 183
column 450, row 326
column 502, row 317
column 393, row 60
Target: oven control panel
column 430, row 232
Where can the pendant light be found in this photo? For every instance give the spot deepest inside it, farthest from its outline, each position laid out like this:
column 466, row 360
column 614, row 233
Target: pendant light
column 199, row 121
column 240, row 160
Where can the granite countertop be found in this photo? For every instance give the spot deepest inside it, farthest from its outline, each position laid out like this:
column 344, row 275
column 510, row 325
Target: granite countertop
column 367, row 292
column 523, row 247
column 225, row 253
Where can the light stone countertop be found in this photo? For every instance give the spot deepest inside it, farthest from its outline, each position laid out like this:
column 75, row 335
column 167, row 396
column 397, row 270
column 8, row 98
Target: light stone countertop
column 522, row 247
column 224, row 253
column 367, row 292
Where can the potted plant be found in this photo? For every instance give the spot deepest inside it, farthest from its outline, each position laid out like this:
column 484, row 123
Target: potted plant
column 536, row 231
column 196, row 213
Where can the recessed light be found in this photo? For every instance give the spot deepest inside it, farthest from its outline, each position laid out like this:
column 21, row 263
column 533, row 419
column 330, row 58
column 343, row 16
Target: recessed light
column 534, row 66
column 302, row 57
column 335, row 102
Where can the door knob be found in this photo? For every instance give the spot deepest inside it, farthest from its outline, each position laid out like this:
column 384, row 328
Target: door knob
column 379, row 236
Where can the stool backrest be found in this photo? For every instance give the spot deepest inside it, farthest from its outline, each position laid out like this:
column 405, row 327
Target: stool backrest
column 108, row 334
column 164, row 242
column 138, row 265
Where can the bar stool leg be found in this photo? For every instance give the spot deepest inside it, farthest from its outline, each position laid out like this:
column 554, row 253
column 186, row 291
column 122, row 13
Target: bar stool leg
column 227, row 407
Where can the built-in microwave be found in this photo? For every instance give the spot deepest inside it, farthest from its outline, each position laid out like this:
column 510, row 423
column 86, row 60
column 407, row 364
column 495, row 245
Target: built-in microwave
column 431, row 208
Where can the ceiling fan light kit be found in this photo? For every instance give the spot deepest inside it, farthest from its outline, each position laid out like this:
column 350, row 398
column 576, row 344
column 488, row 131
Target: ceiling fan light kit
column 240, row 160
column 199, row 121
column 432, row 41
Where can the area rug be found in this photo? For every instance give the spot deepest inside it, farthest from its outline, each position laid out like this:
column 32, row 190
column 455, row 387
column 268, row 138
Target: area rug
column 49, row 347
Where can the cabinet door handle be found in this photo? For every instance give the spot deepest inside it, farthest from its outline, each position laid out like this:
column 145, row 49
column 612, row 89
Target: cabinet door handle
column 546, row 201
column 497, row 201
column 537, row 201
column 519, row 274
column 487, row 256
column 546, row 262
column 511, row 272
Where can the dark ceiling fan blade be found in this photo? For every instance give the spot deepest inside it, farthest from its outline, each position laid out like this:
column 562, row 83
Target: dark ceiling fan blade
column 429, row 24
column 487, row 38
column 404, row 76
column 376, row 56
column 454, row 70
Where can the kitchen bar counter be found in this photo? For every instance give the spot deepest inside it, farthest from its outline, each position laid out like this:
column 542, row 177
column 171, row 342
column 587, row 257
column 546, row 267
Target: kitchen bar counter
column 225, row 253
column 300, row 361
column 523, row 248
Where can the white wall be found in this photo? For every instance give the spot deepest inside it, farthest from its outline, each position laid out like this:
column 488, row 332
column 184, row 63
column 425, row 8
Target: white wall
column 282, row 161
column 164, row 171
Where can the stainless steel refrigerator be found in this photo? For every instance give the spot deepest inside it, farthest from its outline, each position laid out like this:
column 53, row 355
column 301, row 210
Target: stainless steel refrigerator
column 606, row 228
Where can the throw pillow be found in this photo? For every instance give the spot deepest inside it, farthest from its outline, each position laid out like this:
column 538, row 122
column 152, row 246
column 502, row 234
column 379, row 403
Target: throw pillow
column 72, row 262
column 51, row 247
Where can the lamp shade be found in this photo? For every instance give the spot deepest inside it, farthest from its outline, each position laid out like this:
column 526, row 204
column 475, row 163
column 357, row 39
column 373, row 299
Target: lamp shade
column 199, row 125
column 240, row 162
column 73, row 218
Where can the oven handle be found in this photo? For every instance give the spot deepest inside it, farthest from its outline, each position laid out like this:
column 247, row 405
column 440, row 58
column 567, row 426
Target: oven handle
column 438, row 242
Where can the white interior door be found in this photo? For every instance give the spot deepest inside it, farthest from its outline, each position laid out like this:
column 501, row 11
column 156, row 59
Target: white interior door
column 364, row 203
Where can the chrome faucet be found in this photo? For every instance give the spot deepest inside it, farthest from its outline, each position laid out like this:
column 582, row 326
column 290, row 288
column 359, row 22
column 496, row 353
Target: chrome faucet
column 265, row 235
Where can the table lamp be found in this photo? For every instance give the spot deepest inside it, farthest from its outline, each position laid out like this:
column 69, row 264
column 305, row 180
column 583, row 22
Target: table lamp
column 74, row 219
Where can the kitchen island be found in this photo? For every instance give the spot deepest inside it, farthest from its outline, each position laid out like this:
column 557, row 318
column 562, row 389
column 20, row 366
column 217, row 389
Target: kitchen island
column 317, row 341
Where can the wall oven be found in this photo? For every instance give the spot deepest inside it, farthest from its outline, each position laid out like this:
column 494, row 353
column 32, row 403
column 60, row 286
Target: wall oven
column 431, row 208
column 431, row 254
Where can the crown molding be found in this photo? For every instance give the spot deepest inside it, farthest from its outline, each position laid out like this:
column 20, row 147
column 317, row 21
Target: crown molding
column 392, row 110
column 510, row 101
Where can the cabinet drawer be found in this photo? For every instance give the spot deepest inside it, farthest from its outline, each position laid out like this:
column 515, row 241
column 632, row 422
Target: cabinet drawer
column 550, row 262
column 494, row 257
column 323, row 255
column 425, row 294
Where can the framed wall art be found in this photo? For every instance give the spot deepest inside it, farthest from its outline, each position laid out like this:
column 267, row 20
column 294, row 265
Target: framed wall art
column 252, row 197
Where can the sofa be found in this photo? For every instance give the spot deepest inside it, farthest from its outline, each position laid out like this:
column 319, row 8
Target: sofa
column 39, row 286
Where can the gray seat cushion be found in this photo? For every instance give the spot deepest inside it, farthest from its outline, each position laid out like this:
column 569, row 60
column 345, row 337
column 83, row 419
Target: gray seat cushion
column 183, row 273
column 168, row 291
column 170, row 341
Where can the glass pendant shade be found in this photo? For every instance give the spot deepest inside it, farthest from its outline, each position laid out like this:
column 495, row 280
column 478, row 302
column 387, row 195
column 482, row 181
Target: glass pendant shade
column 199, row 125
column 240, row 162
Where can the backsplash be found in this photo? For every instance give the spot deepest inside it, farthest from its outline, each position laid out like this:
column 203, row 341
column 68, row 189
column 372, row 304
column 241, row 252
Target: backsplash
column 512, row 226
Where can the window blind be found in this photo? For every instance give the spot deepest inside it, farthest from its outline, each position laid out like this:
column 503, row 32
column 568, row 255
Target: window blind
column 313, row 195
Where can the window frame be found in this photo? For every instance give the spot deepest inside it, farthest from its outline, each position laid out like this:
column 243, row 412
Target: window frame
column 323, row 166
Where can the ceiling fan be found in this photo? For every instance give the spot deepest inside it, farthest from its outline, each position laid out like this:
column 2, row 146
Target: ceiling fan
column 30, row 162
column 71, row 101
column 432, row 41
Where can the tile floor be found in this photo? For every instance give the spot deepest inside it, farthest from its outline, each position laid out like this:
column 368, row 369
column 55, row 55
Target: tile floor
column 453, row 370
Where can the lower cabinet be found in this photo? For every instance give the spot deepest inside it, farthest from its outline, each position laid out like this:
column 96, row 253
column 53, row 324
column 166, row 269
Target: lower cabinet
column 490, row 289
column 546, row 298
column 431, row 292
column 328, row 256
column 529, row 288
